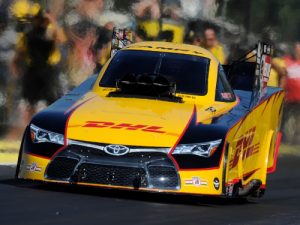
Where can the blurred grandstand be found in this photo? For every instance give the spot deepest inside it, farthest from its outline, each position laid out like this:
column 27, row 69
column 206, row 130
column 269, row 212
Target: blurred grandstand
column 78, row 35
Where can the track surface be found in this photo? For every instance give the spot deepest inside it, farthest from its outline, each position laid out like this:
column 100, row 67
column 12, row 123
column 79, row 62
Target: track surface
column 25, row 203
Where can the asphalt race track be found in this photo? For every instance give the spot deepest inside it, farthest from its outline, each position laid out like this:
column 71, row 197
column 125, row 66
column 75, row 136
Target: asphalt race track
column 26, row 203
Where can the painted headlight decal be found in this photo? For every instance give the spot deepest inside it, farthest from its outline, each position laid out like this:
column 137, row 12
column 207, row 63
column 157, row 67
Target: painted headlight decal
column 39, row 135
column 205, row 149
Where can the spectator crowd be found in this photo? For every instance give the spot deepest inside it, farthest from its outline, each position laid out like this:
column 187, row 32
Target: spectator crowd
column 49, row 47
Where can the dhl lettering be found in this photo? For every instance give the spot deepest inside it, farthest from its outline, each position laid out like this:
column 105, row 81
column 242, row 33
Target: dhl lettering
column 245, row 147
column 126, row 126
column 154, row 129
column 96, row 124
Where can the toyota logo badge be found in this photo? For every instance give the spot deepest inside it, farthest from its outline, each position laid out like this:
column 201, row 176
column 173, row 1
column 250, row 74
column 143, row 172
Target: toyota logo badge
column 116, row 150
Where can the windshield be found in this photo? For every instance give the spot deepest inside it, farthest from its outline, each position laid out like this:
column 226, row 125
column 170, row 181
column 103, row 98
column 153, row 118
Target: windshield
column 189, row 72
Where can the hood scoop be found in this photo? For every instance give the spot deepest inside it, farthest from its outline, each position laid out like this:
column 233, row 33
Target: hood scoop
column 146, row 86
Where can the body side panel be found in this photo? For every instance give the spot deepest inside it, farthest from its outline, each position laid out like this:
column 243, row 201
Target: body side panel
column 251, row 141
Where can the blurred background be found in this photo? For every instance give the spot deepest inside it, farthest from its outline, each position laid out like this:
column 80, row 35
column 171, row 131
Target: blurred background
column 49, row 47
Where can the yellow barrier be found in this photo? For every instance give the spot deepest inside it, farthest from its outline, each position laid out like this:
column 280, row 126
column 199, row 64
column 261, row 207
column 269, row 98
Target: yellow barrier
column 9, row 151
column 8, row 158
column 289, row 150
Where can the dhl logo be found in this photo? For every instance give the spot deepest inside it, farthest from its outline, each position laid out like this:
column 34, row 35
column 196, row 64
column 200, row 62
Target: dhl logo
column 244, row 147
column 126, row 126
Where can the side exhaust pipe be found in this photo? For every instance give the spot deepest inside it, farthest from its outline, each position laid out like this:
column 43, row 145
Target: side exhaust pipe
column 250, row 188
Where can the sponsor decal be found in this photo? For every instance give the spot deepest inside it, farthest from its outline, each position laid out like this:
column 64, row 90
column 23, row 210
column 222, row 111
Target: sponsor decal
column 244, row 147
column 262, row 73
column 116, row 150
column 196, row 181
column 226, row 95
column 232, row 188
column 216, row 183
column 124, row 126
column 229, row 189
column 246, row 176
column 33, row 167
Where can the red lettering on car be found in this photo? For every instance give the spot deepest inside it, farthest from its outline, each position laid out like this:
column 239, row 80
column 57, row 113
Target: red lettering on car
column 97, row 124
column 245, row 147
column 154, row 129
column 126, row 126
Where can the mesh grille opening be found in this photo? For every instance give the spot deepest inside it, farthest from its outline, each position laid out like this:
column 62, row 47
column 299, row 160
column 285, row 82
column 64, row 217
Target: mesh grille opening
column 61, row 168
column 163, row 177
column 112, row 175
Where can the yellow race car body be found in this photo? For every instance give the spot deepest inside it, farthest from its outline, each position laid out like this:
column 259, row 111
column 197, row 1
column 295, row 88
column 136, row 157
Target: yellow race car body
column 194, row 135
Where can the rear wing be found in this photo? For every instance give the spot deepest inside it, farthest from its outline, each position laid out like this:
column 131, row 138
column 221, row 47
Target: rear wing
column 120, row 39
column 252, row 71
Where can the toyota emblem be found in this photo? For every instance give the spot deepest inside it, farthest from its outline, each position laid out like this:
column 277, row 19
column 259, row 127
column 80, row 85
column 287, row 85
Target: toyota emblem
column 116, row 150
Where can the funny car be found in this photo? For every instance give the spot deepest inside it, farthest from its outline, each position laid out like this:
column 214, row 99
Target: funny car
column 162, row 117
